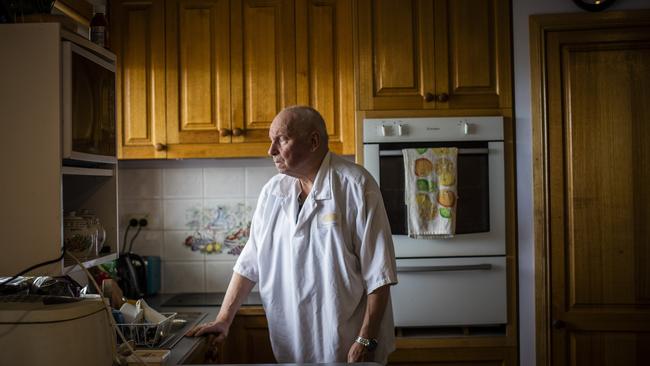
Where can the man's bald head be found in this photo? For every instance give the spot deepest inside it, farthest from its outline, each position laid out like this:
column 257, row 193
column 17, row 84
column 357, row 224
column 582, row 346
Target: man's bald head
column 303, row 120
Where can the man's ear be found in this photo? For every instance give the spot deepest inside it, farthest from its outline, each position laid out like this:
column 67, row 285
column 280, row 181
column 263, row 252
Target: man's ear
column 315, row 141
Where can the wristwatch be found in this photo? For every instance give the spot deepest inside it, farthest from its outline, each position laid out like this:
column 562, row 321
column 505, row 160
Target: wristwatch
column 370, row 344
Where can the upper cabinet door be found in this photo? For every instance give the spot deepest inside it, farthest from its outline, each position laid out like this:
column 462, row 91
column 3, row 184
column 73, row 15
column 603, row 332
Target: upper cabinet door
column 434, row 54
column 325, row 67
column 263, row 69
column 396, row 60
column 138, row 41
column 478, row 73
column 198, row 74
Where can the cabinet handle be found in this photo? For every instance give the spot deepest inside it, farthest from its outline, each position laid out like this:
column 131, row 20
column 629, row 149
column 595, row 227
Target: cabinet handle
column 237, row 131
column 559, row 324
column 429, row 97
column 160, row 147
column 443, row 97
column 224, row 132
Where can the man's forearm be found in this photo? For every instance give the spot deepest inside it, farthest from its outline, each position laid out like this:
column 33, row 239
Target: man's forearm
column 237, row 291
column 375, row 308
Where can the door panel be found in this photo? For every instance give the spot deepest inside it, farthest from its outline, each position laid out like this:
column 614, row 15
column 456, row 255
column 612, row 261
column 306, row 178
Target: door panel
column 478, row 69
column 325, row 70
column 264, row 75
column 396, row 42
column 140, row 78
column 198, row 72
column 599, row 85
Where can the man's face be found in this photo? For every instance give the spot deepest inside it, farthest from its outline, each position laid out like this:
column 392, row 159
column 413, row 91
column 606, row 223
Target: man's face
column 290, row 151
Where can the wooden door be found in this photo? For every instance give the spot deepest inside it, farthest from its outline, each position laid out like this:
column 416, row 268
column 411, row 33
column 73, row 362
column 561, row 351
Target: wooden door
column 263, row 68
column 325, row 69
column 592, row 180
column 198, row 76
column 138, row 40
column 396, row 53
column 474, row 71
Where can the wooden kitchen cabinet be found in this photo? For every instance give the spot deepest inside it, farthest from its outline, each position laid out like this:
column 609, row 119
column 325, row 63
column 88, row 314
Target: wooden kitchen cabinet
column 248, row 340
column 223, row 71
column 137, row 32
column 475, row 356
column 434, row 54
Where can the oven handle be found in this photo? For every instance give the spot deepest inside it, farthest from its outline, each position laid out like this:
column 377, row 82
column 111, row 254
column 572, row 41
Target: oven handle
column 466, row 267
column 460, row 151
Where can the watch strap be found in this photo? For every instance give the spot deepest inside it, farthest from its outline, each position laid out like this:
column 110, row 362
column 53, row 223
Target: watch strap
column 370, row 344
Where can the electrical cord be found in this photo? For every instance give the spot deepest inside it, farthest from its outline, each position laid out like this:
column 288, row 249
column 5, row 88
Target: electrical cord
column 132, row 222
column 34, row 267
column 141, row 223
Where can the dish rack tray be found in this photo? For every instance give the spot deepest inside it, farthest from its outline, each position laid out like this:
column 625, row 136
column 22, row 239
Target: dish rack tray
column 148, row 334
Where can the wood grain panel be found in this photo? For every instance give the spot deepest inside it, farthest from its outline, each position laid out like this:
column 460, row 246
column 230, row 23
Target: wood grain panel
column 396, row 53
column 197, row 68
column 140, row 77
column 136, row 87
column 604, row 208
column 198, row 72
column 324, row 68
column 268, row 56
column 395, row 30
column 323, row 63
column 471, row 35
column 602, row 349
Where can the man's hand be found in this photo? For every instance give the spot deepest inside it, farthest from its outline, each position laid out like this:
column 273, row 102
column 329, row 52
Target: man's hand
column 219, row 329
column 357, row 353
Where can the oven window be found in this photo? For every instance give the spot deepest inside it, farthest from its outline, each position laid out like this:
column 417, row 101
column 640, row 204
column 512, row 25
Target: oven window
column 473, row 193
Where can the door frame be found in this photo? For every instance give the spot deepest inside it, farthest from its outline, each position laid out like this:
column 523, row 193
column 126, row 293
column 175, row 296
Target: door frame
column 540, row 27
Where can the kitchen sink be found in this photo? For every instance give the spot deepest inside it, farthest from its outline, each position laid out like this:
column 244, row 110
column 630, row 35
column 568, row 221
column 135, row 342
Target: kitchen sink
column 183, row 322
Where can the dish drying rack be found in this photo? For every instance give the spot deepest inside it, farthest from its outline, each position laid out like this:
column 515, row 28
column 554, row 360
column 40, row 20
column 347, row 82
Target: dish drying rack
column 148, row 334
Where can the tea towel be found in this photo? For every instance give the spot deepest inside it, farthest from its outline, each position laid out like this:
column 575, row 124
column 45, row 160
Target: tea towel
column 430, row 191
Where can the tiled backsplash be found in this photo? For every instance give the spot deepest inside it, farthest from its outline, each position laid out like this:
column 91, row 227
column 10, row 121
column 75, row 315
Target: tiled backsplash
column 203, row 205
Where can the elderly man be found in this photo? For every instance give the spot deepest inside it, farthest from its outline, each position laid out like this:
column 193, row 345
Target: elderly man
column 320, row 249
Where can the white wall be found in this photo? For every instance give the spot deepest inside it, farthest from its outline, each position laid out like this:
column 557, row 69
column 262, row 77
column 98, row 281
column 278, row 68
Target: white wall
column 521, row 10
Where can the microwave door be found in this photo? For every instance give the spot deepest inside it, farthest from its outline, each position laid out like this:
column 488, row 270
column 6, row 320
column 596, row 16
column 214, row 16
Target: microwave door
column 88, row 106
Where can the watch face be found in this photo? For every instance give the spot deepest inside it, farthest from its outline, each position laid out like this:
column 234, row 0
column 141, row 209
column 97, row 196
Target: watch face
column 594, row 5
column 372, row 345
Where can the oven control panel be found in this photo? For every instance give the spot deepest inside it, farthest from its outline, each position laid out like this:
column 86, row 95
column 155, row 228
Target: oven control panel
column 378, row 130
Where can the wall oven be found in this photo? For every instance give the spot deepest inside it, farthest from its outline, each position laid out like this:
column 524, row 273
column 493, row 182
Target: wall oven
column 459, row 281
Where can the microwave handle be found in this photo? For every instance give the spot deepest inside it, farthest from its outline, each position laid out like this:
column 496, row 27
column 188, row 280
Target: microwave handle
column 467, row 151
column 466, row 267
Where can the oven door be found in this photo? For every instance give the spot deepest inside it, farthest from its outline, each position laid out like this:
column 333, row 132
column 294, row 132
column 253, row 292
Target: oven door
column 480, row 227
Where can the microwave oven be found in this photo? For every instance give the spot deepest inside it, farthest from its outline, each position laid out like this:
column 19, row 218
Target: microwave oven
column 88, row 104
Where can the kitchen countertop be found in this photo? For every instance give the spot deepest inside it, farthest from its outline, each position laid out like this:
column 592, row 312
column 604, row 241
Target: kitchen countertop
column 186, row 345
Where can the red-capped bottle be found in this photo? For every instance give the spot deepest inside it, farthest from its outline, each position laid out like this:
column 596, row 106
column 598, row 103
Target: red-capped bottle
column 99, row 27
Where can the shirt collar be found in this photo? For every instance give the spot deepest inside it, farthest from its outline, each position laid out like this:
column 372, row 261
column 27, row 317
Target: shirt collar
column 321, row 190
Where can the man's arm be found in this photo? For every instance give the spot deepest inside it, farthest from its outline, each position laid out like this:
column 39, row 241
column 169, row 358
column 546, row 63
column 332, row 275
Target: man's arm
column 375, row 308
column 237, row 291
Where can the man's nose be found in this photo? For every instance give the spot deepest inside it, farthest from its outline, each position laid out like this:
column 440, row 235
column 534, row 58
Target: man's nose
column 272, row 150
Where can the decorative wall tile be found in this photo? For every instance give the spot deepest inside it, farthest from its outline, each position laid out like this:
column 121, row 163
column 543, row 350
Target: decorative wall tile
column 217, row 276
column 256, row 178
column 210, row 201
column 183, row 183
column 176, row 214
column 140, row 183
column 180, row 276
column 174, row 248
column 223, row 182
column 150, row 209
